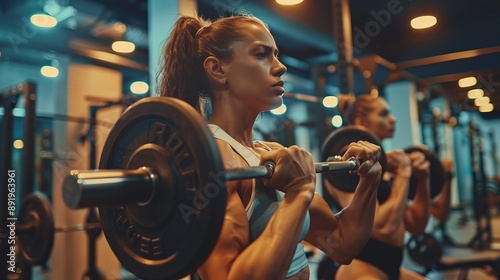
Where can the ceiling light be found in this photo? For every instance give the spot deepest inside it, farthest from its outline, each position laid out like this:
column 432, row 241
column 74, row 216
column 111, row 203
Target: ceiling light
column 374, row 92
column 49, row 71
column 486, row 108
column 139, row 87
column 482, row 101
column 330, row 101
column 467, row 82
column 423, row 22
column 288, row 2
column 436, row 111
column 475, row 93
column 19, row 112
column 280, row 110
column 18, row 144
column 337, row 121
column 52, row 7
column 123, row 47
column 42, row 20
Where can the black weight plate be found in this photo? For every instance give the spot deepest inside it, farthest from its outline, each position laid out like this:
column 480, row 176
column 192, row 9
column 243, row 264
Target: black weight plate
column 336, row 144
column 437, row 173
column 173, row 234
column 36, row 243
column 425, row 250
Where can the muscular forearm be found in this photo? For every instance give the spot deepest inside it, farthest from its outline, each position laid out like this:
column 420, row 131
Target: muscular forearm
column 278, row 240
column 420, row 208
column 356, row 221
column 391, row 212
column 440, row 207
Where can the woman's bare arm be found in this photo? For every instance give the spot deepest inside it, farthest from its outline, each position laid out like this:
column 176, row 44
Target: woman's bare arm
column 270, row 255
column 388, row 220
column 440, row 206
column 418, row 212
column 343, row 235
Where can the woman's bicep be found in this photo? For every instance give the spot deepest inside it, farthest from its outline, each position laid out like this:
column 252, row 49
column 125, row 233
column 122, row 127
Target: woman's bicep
column 233, row 239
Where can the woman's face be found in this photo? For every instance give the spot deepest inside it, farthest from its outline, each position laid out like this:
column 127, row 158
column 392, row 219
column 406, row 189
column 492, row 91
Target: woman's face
column 254, row 72
column 380, row 121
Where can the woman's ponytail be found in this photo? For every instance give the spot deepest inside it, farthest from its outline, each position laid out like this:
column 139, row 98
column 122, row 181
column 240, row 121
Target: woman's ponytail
column 345, row 105
column 181, row 75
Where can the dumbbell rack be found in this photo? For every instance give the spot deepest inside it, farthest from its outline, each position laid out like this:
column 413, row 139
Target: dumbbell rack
column 483, row 237
column 9, row 98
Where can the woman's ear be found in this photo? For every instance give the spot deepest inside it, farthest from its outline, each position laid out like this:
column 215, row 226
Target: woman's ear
column 215, row 70
column 358, row 121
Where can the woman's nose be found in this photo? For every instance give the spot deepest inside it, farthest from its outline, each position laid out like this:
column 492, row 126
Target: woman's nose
column 280, row 68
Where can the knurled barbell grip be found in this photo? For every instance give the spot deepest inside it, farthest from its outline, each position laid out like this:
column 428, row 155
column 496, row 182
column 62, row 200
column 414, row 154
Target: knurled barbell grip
column 264, row 171
column 82, row 189
column 267, row 169
column 350, row 164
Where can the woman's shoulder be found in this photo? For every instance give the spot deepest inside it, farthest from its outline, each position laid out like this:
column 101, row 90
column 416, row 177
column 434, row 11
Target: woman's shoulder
column 229, row 157
column 231, row 160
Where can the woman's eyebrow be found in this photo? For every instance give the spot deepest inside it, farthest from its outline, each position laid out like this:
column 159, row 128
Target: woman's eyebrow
column 268, row 48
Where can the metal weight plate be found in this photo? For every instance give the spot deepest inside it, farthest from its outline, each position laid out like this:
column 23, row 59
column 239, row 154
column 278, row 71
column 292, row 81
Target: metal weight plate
column 336, row 144
column 425, row 250
column 36, row 243
column 437, row 173
column 171, row 235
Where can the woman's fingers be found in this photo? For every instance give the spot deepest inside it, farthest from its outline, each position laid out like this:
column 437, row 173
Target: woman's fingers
column 363, row 151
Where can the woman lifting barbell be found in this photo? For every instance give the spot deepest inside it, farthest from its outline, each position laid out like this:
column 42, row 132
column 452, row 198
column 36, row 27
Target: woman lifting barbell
column 233, row 63
column 394, row 213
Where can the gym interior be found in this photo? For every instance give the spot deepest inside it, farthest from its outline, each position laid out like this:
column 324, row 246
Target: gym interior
column 70, row 69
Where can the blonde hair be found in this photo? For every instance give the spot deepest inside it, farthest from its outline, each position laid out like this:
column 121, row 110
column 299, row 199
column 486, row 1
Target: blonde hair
column 355, row 107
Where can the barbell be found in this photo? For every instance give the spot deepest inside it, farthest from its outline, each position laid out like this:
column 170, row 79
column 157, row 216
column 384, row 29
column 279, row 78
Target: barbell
column 160, row 188
column 338, row 141
column 35, row 228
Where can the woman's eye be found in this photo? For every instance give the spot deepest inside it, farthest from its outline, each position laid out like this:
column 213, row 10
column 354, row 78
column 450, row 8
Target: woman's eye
column 384, row 114
column 262, row 55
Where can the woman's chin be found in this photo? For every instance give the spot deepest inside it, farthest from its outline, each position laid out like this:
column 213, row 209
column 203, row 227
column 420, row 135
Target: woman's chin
column 388, row 136
column 277, row 102
column 273, row 104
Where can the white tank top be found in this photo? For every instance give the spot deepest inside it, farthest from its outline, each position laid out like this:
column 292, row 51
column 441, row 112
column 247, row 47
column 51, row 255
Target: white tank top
column 248, row 156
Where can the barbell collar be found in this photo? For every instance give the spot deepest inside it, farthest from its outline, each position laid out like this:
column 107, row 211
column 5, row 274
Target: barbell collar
column 93, row 188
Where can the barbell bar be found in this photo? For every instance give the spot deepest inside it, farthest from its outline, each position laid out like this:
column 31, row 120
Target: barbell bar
column 94, row 188
column 34, row 225
column 160, row 188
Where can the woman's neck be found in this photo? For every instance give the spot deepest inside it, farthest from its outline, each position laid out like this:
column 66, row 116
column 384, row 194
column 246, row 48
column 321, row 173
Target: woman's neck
column 240, row 130
column 236, row 116
column 237, row 126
